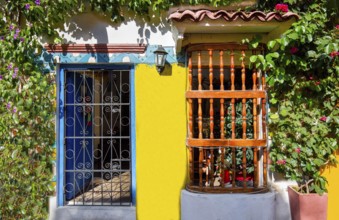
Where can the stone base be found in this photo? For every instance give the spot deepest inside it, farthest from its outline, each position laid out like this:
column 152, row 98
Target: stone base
column 227, row 206
column 90, row 212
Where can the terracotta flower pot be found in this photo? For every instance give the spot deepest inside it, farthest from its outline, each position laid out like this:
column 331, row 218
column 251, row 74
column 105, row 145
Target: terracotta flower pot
column 307, row 206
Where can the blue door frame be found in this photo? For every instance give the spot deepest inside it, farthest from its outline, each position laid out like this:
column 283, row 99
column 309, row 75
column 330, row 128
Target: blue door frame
column 61, row 126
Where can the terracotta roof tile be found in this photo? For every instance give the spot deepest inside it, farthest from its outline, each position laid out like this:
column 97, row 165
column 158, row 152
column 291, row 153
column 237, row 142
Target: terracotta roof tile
column 199, row 15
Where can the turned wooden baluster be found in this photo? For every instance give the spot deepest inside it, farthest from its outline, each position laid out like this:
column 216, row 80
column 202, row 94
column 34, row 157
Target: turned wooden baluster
column 211, row 100
column 190, row 121
column 255, row 129
column 244, row 166
column 222, row 158
column 264, row 128
column 212, row 168
column 232, row 89
column 199, row 99
column 201, row 156
column 243, row 87
column 233, row 120
column 265, row 166
column 190, row 101
column 222, row 108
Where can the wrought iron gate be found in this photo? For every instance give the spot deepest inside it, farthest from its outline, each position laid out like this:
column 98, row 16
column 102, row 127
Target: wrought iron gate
column 97, row 138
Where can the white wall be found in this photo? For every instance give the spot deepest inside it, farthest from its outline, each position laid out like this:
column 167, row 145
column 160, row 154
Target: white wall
column 94, row 28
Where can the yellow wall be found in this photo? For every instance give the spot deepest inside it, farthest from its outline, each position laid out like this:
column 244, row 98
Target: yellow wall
column 332, row 175
column 160, row 141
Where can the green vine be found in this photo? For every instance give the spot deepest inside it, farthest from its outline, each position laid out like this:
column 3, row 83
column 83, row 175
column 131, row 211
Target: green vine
column 303, row 89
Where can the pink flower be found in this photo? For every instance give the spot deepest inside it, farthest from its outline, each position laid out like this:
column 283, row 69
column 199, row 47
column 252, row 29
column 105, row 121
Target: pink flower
column 281, row 162
column 317, row 83
column 298, row 150
column 293, row 50
column 311, row 78
column 337, row 26
column 281, row 7
column 323, row 118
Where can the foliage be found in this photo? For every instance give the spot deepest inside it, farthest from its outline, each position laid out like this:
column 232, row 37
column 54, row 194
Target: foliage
column 303, row 74
column 308, row 75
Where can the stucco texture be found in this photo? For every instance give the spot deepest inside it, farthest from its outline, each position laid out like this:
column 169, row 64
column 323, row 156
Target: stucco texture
column 160, row 141
column 332, row 175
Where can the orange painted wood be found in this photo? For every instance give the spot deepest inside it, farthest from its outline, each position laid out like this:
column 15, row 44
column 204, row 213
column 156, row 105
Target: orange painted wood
column 265, row 166
column 212, row 168
column 190, row 102
column 200, row 118
column 243, row 87
column 222, row 166
column 255, row 130
column 255, row 164
column 233, row 100
column 191, row 165
column 226, row 94
column 222, row 109
column 211, row 100
column 200, row 166
column 225, row 142
column 244, row 166
column 263, row 106
column 199, row 71
column 227, row 189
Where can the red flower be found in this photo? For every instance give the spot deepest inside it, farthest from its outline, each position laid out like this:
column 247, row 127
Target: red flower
column 337, row 26
column 323, row 118
column 281, row 162
column 334, row 53
column 317, row 83
column 298, row 150
column 281, row 7
column 293, row 50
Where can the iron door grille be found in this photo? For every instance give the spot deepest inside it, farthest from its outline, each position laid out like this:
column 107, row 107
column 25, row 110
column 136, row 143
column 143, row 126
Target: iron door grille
column 97, row 138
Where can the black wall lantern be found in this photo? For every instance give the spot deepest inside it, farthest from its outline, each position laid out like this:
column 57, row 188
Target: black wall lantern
column 160, row 58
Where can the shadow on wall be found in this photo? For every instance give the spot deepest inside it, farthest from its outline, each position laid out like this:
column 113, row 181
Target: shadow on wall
column 92, row 27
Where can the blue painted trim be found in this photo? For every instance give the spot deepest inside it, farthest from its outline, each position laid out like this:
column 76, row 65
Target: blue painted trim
column 133, row 135
column 60, row 122
column 60, row 138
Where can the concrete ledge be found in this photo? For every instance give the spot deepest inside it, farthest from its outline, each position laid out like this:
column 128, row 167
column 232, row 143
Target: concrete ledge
column 94, row 213
column 227, row 206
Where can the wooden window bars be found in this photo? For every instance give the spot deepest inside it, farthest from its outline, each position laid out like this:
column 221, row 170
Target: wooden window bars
column 226, row 120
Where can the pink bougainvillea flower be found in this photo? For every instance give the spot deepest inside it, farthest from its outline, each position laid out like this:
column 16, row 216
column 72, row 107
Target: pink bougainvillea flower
column 281, row 7
column 281, row 162
column 311, row 78
column 294, row 50
column 323, row 118
column 16, row 69
column 317, row 83
column 298, row 150
column 334, row 54
column 337, row 26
